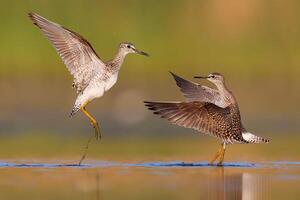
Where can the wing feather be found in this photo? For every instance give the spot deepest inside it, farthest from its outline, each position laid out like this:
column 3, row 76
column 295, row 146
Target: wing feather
column 201, row 116
column 196, row 92
column 76, row 52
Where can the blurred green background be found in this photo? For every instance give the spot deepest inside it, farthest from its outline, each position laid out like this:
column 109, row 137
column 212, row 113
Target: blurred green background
column 254, row 43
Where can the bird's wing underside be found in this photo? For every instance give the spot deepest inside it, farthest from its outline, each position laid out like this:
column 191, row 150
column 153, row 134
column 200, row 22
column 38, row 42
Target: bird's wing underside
column 76, row 52
column 204, row 117
column 196, row 92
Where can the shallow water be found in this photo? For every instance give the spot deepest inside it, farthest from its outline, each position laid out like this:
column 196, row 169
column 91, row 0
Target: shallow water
column 103, row 164
column 150, row 180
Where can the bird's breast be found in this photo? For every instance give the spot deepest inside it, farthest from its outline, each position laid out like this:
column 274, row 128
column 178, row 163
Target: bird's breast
column 110, row 82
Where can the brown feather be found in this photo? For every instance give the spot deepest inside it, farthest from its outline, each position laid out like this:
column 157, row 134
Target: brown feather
column 201, row 116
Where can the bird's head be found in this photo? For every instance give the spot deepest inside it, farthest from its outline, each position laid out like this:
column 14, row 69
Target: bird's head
column 127, row 48
column 215, row 78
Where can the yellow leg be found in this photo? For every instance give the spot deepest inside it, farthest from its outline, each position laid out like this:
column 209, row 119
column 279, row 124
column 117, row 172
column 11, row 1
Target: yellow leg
column 219, row 153
column 97, row 131
column 93, row 121
column 221, row 158
column 216, row 156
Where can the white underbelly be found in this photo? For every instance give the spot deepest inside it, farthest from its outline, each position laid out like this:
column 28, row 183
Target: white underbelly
column 110, row 82
column 98, row 89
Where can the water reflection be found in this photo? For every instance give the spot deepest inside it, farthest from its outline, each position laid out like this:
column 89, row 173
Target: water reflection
column 221, row 183
column 255, row 186
column 94, row 182
column 98, row 184
column 225, row 184
column 163, row 180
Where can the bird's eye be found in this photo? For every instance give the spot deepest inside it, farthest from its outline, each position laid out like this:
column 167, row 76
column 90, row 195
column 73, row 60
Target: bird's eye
column 128, row 46
column 212, row 76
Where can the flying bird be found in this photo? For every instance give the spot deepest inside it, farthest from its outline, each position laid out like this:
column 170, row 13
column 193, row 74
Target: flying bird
column 92, row 77
column 214, row 112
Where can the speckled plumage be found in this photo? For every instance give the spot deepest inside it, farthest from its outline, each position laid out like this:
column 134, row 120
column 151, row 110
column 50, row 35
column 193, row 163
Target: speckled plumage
column 92, row 76
column 214, row 112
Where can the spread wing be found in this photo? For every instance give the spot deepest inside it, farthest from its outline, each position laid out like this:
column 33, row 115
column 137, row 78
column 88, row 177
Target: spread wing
column 204, row 117
column 76, row 52
column 196, row 92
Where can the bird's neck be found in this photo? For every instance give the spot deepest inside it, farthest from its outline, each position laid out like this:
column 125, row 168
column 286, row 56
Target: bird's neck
column 118, row 60
column 225, row 93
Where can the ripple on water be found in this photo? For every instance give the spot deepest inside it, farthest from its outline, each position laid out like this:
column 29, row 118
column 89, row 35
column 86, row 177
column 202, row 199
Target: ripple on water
column 105, row 164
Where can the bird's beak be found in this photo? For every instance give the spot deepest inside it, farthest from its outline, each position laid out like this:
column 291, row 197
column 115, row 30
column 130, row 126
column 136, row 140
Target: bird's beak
column 141, row 52
column 203, row 77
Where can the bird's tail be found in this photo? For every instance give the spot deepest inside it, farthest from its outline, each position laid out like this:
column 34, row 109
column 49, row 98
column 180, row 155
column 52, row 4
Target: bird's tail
column 75, row 109
column 251, row 138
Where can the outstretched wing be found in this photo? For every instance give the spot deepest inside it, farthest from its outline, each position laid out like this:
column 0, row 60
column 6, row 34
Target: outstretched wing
column 204, row 117
column 196, row 92
column 76, row 52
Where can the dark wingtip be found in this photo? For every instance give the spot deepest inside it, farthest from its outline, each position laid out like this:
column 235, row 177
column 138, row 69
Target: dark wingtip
column 148, row 104
column 178, row 79
column 32, row 17
column 174, row 75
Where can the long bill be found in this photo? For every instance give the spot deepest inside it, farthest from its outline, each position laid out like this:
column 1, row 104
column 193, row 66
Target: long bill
column 141, row 52
column 202, row 77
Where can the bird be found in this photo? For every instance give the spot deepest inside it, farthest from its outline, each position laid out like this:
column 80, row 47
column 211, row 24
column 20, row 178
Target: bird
column 92, row 76
column 211, row 111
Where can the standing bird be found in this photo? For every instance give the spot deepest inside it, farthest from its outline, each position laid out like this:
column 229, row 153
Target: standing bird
column 214, row 112
column 92, row 76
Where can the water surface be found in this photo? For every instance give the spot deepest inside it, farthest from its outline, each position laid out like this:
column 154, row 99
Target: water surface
column 150, row 180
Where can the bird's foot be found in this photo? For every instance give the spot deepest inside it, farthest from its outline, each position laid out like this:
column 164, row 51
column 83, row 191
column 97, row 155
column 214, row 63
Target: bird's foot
column 220, row 163
column 211, row 163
